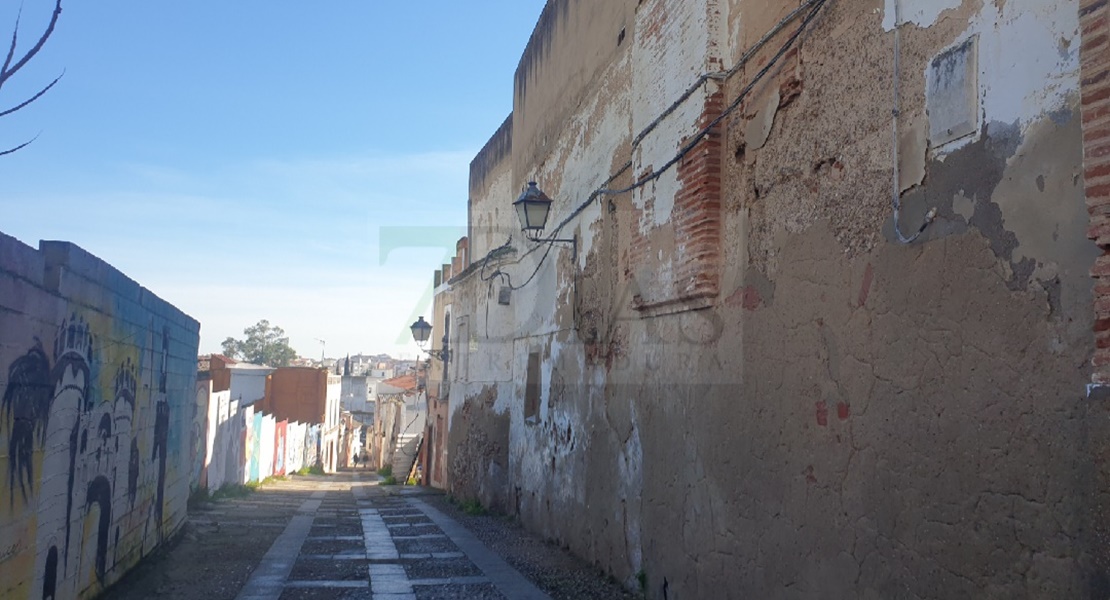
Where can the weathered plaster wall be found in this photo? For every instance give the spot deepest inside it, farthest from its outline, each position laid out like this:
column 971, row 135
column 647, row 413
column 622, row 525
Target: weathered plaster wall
column 845, row 416
column 571, row 45
column 901, row 409
column 1095, row 100
column 96, row 422
column 472, row 431
column 492, row 218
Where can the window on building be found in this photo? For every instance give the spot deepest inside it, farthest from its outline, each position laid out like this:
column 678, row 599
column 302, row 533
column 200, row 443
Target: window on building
column 532, row 387
column 461, row 350
column 447, row 345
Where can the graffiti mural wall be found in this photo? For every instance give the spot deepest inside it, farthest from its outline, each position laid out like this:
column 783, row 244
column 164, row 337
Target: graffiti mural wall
column 97, row 420
column 280, row 433
column 198, row 436
column 220, row 446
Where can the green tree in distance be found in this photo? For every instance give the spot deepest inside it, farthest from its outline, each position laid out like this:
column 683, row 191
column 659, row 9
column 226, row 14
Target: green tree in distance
column 265, row 344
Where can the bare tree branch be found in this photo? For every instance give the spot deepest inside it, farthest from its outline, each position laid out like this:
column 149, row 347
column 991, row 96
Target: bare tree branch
column 15, row 37
column 7, row 71
column 32, row 98
column 23, row 145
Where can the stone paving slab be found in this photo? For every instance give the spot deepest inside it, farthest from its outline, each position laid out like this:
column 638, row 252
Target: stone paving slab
column 267, row 580
column 310, row 569
column 359, row 544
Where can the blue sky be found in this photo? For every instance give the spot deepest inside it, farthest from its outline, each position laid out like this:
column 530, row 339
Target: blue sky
column 242, row 159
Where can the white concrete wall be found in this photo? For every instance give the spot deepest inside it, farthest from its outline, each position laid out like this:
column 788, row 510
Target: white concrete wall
column 248, row 387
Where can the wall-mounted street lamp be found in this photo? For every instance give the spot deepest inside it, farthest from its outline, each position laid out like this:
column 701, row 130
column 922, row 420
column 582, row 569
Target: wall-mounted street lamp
column 421, row 331
column 532, row 208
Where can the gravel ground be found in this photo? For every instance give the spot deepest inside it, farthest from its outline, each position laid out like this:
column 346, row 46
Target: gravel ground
column 441, row 569
column 562, row 575
column 484, row 591
column 220, row 545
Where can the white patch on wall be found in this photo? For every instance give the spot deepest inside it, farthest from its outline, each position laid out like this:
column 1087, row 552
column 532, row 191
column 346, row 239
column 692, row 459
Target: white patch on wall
column 1028, row 65
column 952, row 93
column 630, row 465
column 923, row 13
column 683, row 50
column 1028, row 58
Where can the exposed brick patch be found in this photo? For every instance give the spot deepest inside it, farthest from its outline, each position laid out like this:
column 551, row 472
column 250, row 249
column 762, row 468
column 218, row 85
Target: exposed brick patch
column 698, row 207
column 695, row 218
column 1095, row 106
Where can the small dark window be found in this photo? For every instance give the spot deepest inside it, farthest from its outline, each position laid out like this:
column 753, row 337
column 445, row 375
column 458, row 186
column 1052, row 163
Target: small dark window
column 532, row 388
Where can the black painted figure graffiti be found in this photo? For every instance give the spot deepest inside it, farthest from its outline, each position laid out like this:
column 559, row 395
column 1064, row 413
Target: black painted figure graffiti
column 49, row 584
column 26, row 405
column 70, row 382
column 90, row 466
column 100, row 493
column 162, row 429
column 125, row 384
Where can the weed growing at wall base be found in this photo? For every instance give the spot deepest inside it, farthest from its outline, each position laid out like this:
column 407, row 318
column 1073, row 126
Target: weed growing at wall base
column 470, row 507
column 233, row 490
column 198, row 497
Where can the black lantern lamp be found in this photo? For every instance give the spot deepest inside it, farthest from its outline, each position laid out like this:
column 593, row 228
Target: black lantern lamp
column 421, row 331
column 532, row 208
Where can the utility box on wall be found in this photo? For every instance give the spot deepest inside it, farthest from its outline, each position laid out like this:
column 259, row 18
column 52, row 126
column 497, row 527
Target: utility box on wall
column 952, row 93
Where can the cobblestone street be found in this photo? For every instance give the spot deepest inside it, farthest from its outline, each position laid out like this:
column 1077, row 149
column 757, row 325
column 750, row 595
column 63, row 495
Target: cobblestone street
column 344, row 536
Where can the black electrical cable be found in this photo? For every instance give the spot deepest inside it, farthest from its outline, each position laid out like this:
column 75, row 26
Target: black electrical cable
column 815, row 7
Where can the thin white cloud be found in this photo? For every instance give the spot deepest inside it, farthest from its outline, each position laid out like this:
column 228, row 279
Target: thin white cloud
column 341, row 249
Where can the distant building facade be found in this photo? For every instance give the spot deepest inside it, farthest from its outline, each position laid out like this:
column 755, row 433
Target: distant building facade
column 308, row 395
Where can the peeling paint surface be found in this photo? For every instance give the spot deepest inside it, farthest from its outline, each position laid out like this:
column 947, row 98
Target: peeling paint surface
column 923, row 13
column 848, row 417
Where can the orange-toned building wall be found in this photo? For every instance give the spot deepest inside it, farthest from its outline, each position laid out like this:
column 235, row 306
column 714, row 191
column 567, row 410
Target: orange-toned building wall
column 297, row 394
column 220, row 374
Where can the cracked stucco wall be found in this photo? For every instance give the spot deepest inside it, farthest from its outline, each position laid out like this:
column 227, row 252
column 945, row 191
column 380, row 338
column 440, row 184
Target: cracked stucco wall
column 849, row 417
